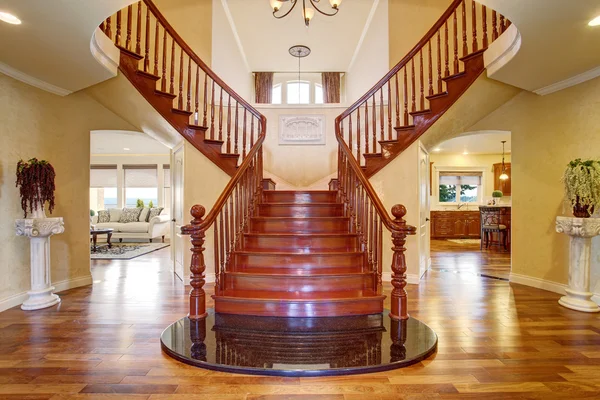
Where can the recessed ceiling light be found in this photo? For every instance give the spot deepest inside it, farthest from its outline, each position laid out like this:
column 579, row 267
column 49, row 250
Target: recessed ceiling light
column 126, row 148
column 9, row 18
column 437, row 149
column 465, row 152
column 595, row 21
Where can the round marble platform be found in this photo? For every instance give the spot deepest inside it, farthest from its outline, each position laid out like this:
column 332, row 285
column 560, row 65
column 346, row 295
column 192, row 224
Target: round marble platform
column 299, row 346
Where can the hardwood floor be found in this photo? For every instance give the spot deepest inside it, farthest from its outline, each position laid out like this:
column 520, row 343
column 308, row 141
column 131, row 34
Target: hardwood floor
column 467, row 258
column 496, row 341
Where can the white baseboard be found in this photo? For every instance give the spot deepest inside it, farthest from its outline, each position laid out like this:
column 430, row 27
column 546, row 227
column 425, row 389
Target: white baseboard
column 59, row 286
column 412, row 279
column 538, row 283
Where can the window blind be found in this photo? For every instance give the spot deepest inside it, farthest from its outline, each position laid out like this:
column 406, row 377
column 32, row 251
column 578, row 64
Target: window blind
column 460, row 178
column 102, row 176
column 141, row 176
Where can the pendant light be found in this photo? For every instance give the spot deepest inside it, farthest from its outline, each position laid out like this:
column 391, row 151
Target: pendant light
column 503, row 176
column 299, row 51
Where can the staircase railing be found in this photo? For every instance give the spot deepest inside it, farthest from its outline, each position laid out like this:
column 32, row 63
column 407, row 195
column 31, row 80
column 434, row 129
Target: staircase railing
column 389, row 108
column 142, row 30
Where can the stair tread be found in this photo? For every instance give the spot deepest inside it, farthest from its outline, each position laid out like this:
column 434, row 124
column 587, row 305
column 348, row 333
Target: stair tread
column 284, row 297
column 315, row 275
column 303, row 235
column 299, row 191
column 299, row 218
column 289, row 253
column 287, row 203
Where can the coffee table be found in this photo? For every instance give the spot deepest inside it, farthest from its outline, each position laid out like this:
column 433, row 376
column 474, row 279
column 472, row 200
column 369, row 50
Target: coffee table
column 108, row 232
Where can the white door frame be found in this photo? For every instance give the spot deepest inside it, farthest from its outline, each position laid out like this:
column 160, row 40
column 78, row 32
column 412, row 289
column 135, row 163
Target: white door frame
column 424, row 214
column 176, row 209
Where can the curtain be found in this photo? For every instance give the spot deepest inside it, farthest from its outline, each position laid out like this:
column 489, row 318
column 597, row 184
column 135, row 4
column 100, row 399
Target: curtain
column 460, row 178
column 263, row 87
column 331, row 87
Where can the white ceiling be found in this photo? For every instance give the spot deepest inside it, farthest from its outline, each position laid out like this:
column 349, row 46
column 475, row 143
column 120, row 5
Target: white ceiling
column 266, row 40
column 480, row 142
column 115, row 142
column 556, row 42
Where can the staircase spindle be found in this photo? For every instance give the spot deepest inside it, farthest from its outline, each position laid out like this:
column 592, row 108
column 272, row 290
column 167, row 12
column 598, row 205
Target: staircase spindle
column 189, row 85
column 380, row 250
column 172, row 77
column 421, row 81
column 381, row 115
column 163, row 82
column 252, row 131
column 236, row 137
column 212, row 110
column 350, row 133
column 405, row 97
column 232, row 228
column 455, row 49
column 229, row 125
column 108, row 27
column 205, row 102
column 474, row 22
column 128, row 37
column 244, row 136
column 446, row 50
column 369, row 215
column 216, row 256
column 389, row 109
column 413, row 85
column 502, row 24
column 484, row 26
column 398, row 101
column 439, row 61
column 464, row 29
column 221, row 114
column 180, row 96
column 430, row 70
column 374, row 118
column 494, row 25
column 227, row 225
column 367, row 127
column 156, row 47
column 138, row 33
column 222, row 254
column 118, row 34
column 358, row 158
column 197, row 96
column 147, row 43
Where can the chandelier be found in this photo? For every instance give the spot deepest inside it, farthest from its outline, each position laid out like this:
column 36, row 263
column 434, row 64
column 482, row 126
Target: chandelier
column 503, row 176
column 307, row 12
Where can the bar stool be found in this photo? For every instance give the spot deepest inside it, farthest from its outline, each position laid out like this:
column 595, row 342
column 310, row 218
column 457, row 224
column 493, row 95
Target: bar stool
column 490, row 223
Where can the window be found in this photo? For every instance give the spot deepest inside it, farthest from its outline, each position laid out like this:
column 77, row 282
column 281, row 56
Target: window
column 167, row 186
column 298, row 92
column 141, row 182
column 276, row 95
column 103, row 187
column 459, row 187
column 318, row 93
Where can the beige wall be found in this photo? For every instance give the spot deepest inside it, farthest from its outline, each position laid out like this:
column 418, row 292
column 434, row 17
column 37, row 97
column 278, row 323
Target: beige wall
column 547, row 132
column 39, row 124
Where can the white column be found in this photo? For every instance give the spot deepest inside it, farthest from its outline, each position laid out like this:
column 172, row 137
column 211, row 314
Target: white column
column 581, row 231
column 39, row 231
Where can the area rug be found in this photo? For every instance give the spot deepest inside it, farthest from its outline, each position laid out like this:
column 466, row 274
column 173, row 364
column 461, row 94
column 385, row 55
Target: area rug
column 465, row 241
column 126, row 251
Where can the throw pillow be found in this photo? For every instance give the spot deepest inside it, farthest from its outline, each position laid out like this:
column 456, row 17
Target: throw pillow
column 103, row 216
column 154, row 212
column 115, row 214
column 144, row 214
column 130, row 215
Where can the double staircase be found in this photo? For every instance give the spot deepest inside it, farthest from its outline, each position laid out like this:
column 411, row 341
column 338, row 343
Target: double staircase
column 298, row 253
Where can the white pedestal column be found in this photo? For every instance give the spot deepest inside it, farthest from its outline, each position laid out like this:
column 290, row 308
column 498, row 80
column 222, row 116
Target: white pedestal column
column 39, row 231
column 581, row 231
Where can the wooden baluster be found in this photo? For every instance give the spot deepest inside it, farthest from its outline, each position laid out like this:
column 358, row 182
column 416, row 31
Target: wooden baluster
column 446, row 50
column 118, row 34
column 413, row 107
column 236, row 132
column 221, row 115
column 252, row 131
column 455, row 25
column 494, row 26
column 147, row 42
column 232, row 228
column 216, row 255
column 197, row 96
column 138, row 33
column 221, row 249
column 374, row 118
column 421, row 81
column 103, row 27
column 244, row 136
column 430, row 71
column 189, row 85
column 350, row 134
column 502, row 24
column 439, row 61
column 180, row 96
column 204, row 121
column 398, row 102
column 197, row 267
column 108, row 27
column 484, row 25
column 369, row 215
column 163, row 79
column 405, row 97
column 380, row 250
column 398, row 298
column 358, row 158
column 156, row 47
column 237, row 216
column 464, row 29
column 172, row 77
column 229, row 125
column 474, row 22
column 389, row 110
column 227, row 241
column 381, row 115
column 367, row 127
column 212, row 110
column 128, row 37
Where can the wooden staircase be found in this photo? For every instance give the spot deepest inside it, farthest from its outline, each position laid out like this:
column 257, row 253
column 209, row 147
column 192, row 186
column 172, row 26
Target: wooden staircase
column 299, row 259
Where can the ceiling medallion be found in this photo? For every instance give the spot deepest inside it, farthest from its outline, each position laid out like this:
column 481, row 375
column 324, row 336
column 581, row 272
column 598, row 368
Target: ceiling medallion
column 307, row 13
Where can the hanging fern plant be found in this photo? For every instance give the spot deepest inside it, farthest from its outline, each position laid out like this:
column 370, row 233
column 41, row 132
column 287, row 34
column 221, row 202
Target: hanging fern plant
column 35, row 180
column 582, row 186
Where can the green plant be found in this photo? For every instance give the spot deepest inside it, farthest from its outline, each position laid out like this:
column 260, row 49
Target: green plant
column 497, row 193
column 140, row 203
column 150, row 204
column 582, row 183
column 92, row 213
column 35, row 180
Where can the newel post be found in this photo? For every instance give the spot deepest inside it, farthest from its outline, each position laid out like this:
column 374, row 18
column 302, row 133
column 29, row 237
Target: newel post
column 399, row 308
column 197, row 267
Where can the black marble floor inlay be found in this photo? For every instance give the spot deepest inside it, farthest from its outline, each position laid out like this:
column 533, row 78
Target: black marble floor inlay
column 299, row 346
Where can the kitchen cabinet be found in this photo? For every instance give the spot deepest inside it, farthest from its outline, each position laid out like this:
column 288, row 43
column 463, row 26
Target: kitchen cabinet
column 503, row 186
column 455, row 224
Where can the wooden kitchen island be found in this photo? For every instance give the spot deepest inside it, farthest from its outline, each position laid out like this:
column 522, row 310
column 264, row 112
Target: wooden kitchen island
column 463, row 224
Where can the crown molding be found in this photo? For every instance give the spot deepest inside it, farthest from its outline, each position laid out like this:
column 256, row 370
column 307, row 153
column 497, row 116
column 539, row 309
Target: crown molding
column 572, row 81
column 30, row 80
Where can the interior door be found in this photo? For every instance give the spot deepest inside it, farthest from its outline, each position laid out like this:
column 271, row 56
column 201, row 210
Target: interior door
column 178, row 242
column 424, row 190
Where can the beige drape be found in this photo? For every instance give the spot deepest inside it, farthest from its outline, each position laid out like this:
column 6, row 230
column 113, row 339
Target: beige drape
column 263, row 86
column 331, row 87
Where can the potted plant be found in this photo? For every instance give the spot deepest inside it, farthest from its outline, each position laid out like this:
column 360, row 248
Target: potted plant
column 35, row 180
column 582, row 186
column 139, row 203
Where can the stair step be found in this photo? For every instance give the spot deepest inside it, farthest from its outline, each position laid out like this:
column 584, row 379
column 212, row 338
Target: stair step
column 299, row 225
column 299, row 304
column 437, row 96
column 301, row 210
column 421, row 112
column 473, row 55
column 215, row 144
column 302, row 196
column 182, row 112
column 455, row 76
column 404, row 128
column 301, row 243
column 298, row 261
column 299, row 283
column 148, row 75
column 198, row 127
column 369, row 156
column 130, row 53
column 165, row 94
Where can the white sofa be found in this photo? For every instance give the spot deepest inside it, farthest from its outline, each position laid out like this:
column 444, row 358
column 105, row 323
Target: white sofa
column 156, row 227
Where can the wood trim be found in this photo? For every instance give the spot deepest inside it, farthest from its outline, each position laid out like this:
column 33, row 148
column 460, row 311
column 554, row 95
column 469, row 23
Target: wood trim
column 140, row 166
column 103, row 166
